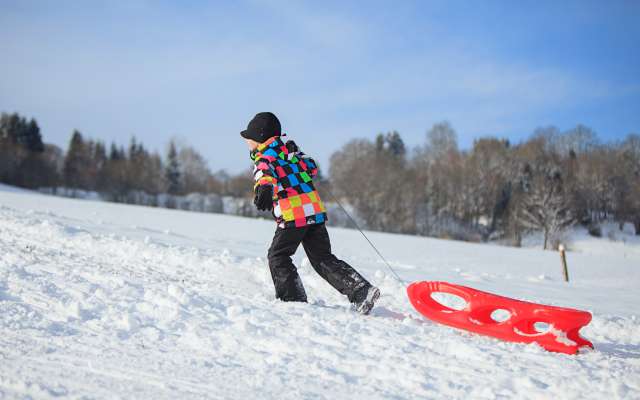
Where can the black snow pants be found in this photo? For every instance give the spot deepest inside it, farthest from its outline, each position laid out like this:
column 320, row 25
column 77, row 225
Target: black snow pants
column 315, row 240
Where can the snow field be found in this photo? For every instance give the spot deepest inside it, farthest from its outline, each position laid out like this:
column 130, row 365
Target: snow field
column 111, row 301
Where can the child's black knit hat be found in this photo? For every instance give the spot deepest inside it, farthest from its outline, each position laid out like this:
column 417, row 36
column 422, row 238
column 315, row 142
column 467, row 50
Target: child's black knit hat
column 262, row 127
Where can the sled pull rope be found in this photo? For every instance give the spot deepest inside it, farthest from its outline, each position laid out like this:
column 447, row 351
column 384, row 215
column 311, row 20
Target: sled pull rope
column 365, row 236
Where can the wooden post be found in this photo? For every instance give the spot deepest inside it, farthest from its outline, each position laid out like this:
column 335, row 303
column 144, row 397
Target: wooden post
column 563, row 257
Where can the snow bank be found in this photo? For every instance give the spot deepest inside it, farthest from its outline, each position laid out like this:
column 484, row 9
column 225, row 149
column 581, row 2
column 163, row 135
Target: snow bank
column 103, row 300
column 12, row 189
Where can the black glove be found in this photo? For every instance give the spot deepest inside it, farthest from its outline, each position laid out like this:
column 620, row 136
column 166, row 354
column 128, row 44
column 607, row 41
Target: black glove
column 264, row 198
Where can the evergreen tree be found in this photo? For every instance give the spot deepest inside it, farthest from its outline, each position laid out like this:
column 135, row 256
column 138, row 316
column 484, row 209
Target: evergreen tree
column 75, row 163
column 395, row 144
column 32, row 138
column 22, row 158
column 17, row 130
column 172, row 171
column 116, row 154
column 10, row 127
column 391, row 143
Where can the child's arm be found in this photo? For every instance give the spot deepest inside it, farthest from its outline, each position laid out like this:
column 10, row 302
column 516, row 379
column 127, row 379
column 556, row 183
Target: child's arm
column 265, row 184
column 308, row 161
column 263, row 174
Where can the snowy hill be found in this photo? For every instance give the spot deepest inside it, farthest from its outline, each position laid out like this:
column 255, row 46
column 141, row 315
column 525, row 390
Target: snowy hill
column 102, row 300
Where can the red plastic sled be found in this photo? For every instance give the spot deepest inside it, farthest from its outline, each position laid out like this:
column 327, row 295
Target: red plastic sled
column 562, row 334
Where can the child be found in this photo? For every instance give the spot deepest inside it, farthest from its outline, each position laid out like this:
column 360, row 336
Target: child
column 284, row 185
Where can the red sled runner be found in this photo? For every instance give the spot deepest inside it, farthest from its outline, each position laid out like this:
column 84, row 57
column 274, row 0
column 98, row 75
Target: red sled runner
column 563, row 324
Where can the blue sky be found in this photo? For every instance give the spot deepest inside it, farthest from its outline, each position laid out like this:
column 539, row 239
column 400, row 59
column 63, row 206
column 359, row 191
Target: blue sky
column 331, row 71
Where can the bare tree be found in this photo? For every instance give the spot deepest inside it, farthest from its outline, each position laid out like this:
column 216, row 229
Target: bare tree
column 194, row 171
column 373, row 178
column 487, row 169
column 544, row 205
column 628, row 182
column 441, row 141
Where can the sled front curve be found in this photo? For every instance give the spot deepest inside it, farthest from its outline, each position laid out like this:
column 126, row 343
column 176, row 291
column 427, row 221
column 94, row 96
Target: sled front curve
column 562, row 325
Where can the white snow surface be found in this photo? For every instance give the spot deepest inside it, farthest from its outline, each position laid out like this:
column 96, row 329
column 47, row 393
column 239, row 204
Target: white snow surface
column 101, row 300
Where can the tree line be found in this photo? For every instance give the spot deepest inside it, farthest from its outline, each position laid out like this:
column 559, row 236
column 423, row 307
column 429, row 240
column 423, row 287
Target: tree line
column 495, row 190
column 24, row 159
column 118, row 173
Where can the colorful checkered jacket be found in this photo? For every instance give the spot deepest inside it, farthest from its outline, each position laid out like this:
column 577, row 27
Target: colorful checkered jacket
column 296, row 202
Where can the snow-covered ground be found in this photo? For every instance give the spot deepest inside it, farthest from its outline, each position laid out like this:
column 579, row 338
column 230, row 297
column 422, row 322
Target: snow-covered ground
column 102, row 300
column 614, row 241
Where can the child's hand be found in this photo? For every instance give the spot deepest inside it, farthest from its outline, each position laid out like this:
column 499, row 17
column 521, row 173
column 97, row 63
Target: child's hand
column 264, row 198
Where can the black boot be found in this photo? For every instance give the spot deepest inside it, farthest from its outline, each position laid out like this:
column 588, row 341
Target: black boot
column 343, row 277
column 365, row 302
column 287, row 283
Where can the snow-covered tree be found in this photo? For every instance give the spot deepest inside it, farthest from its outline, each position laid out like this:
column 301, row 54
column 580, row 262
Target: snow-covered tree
column 544, row 206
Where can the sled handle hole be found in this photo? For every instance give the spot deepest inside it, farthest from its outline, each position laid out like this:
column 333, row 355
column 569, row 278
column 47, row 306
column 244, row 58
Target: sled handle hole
column 449, row 302
column 541, row 327
column 490, row 315
column 532, row 328
column 500, row 315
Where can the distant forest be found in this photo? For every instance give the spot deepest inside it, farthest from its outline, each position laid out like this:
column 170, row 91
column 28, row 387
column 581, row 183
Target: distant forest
column 496, row 190
column 117, row 172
